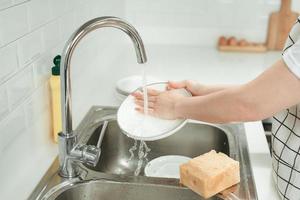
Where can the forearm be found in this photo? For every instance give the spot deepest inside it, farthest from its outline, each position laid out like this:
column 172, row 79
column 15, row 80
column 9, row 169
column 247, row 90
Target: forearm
column 227, row 105
column 197, row 89
column 275, row 89
column 209, row 89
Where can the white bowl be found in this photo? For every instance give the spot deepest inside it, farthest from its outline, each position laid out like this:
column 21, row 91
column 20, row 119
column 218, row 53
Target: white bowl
column 144, row 127
column 165, row 166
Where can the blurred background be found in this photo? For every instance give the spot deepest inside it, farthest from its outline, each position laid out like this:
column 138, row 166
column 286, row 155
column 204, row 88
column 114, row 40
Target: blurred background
column 180, row 37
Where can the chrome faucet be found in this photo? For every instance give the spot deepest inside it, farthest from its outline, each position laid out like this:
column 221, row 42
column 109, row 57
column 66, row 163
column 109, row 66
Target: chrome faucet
column 69, row 150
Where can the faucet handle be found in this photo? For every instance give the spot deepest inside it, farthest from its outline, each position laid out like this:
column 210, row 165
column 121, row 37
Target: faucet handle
column 91, row 155
column 88, row 154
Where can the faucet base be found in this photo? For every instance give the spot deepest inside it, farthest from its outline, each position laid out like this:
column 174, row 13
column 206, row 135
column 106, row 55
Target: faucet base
column 66, row 143
column 70, row 152
column 75, row 173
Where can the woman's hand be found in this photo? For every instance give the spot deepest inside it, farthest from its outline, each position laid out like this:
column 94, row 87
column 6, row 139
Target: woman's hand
column 166, row 104
column 196, row 89
column 193, row 87
column 160, row 104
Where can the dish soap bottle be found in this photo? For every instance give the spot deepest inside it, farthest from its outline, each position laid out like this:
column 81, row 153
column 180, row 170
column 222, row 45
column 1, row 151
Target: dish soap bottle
column 55, row 97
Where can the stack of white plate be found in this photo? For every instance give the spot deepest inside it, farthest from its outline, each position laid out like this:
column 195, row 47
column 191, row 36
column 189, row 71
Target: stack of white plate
column 165, row 166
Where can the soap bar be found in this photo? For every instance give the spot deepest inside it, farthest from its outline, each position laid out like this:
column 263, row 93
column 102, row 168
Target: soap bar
column 210, row 173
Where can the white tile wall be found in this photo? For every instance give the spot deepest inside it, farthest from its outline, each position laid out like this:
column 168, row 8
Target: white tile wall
column 32, row 33
column 42, row 69
column 67, row 25
column 20, row 86
column 39, row 13
column 11, row 128
column 52, row 34
column 16, row 2
column 60, row 7
column 37, row 105
column 13, row 23
column 3, row 103
column 5, row 3
column 30, row 48
column 201, row 22
column 9, row 61
column 9, row 3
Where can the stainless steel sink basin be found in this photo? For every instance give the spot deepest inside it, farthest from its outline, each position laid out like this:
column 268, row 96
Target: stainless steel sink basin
column 192, row 140
column 113, row 177
column 108, row 190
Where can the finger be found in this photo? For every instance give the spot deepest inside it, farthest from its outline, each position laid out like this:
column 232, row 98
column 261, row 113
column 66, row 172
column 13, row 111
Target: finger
column 168, row 87
column 134, row 93
column 141, row 103
column 150, row 92
column 137, row 94
column 150, row 98
column 153, row 92
column 177, row 85
column 141, row 110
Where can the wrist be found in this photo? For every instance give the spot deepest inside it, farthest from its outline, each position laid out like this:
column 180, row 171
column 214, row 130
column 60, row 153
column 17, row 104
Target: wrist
column 178, row 111
column 203, row 89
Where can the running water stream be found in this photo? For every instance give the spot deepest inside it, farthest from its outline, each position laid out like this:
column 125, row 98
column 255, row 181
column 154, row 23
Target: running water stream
column 143, row 148
column 142, row 155
column 145, row 91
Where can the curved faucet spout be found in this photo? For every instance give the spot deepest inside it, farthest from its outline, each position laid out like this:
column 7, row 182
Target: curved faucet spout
column 69, row 150
column 68, row 52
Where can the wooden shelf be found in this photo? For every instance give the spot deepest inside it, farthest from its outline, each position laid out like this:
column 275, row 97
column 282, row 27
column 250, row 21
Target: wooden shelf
column 261, row 48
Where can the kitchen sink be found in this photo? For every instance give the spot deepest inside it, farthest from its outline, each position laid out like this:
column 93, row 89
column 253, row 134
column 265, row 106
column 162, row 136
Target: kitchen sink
column 113, row 176
column 108, row 190
column 191, row 141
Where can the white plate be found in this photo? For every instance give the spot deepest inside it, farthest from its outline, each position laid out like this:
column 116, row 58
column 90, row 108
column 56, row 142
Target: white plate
column 165, row 166
column 129, row 84
column 147, row 128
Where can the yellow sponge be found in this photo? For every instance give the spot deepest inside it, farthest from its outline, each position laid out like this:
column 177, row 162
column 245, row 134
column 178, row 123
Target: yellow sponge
column 210, row 173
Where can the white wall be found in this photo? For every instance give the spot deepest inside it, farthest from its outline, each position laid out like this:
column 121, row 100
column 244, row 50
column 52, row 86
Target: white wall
column 31, row 34
column 201, row 22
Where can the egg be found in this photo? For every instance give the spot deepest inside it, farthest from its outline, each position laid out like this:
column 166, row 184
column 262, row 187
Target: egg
column 232, row 41
column 243, row 43
column 222, row 41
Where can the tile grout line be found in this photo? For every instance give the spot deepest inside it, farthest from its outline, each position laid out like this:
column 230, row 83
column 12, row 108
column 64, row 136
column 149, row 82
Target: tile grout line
column 14, row 5
column 35, row 29
column 22, row 102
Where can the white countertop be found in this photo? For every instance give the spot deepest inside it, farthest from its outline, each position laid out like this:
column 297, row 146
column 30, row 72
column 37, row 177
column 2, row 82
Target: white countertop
column 261, row 161
column 167, row 63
